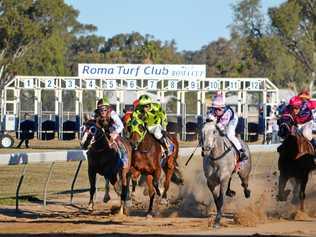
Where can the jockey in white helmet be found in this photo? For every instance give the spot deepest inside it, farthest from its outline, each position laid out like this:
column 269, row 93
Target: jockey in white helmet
column 227, row 121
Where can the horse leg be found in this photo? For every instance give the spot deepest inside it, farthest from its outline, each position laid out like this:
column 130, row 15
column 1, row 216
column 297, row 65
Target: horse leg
column 218, row 195
column 244, row 184
column 106, row 197
column 135, row 176
column 92, row 181
column 282, row 194
column 168, row 173
column 156, row 179
column 151, row 191
column 302, row 191
column 229, row 192
column 124, row 192
column 219, row 202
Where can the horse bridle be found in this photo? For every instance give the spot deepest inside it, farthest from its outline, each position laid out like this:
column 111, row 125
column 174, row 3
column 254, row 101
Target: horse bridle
column 227, row 149
column 100, row 137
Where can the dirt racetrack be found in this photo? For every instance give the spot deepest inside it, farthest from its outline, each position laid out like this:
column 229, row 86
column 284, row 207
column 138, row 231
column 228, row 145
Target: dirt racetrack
column 189, row 212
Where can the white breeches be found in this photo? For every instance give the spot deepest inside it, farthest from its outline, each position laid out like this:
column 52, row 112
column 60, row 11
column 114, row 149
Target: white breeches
column 156, row 131
column 231, row 134
column 306, row 129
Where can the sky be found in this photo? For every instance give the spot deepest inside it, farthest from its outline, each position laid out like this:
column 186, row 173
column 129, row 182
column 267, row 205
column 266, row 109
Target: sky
column 191, row 23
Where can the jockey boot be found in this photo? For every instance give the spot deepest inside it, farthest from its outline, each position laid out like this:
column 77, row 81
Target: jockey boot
column 242, row 155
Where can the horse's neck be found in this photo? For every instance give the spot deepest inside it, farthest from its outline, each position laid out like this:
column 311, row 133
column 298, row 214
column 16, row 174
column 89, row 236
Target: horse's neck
column 221, row 144
column 148, row 143
column 101, row 143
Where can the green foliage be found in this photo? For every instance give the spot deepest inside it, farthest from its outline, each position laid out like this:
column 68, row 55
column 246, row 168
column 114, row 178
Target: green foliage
column 44, row 37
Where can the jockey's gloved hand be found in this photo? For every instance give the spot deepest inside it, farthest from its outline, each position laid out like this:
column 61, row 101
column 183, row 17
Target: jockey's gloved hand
column 210, row 117
column 114, row 136
column 221, row 129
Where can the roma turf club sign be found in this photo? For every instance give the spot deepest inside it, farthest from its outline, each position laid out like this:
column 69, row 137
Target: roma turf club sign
column 141, row 71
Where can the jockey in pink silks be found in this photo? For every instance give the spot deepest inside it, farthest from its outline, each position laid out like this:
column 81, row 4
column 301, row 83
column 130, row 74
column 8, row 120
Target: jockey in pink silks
column 227, row 121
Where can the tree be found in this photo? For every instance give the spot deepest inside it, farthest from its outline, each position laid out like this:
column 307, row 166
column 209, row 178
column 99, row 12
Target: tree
column 294, row 22
column 34, row 37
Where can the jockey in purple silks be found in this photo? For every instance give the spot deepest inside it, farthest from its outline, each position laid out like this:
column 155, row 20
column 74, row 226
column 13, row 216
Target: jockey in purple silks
column 227, row 121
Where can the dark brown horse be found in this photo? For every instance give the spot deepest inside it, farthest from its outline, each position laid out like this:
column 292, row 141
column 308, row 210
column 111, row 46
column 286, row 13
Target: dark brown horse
column 291, row 165
column 103, row 158
column 147, row 159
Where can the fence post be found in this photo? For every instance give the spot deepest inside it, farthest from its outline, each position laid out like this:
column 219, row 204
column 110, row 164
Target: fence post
column 18, row 188
column 74, row 181
column 47, row 181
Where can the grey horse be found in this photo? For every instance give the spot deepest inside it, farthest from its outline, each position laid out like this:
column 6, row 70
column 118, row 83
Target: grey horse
column 219, row 162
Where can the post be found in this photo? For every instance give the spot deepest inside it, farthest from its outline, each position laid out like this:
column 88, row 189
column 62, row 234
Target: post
column 74, row 181
column 18, row 188
column 47, row 181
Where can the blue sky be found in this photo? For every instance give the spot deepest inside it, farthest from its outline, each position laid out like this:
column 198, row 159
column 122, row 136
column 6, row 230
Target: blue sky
column 191, row 23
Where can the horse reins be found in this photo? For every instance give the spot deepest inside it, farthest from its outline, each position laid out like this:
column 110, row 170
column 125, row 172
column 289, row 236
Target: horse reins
column 224, row 153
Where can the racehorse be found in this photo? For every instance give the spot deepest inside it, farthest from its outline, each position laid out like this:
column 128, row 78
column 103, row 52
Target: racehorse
column 104, row 160
column 147, row 159
column 219, row 164
column 290, row 165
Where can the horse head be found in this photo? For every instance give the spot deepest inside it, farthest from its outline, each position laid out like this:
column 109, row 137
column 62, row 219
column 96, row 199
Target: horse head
column 90, row 133
column 286, row 123
column 208, row 136
column 137, row 133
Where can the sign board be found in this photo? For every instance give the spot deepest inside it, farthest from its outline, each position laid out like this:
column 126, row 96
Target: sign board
column 10, row 122
column 141, row 71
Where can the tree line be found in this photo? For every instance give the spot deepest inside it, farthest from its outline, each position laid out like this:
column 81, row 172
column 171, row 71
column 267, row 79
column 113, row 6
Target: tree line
column 44, row 37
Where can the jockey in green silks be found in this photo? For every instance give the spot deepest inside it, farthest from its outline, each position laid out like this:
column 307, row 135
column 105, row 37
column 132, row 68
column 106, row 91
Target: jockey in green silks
column 155, row 120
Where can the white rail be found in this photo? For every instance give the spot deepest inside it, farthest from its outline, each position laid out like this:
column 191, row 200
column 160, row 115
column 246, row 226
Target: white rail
column 77, row 155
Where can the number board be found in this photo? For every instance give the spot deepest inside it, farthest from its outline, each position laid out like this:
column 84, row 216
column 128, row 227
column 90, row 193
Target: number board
column 109, row 84
column 172, row 85
column 193, row 85
column 214, row 85
column 70, row 84
column 131, row 84
column 233, row 85
column 90, row 84
column 254, row 85
column 50, row 84
column 28, row 84
column 152, row 85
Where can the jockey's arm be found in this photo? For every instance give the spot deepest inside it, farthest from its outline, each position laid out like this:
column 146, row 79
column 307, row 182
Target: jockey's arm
column 118, row 124
column 163, row 116
column 224, row 120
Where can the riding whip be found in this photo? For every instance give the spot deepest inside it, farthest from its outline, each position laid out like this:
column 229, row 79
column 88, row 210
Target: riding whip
column 186, row 163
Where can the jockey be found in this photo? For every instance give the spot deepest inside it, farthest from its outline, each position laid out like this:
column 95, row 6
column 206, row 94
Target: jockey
column 128, row 114
column 105, row 115
column 302, row 115
column 226, row 122
column 155, row 120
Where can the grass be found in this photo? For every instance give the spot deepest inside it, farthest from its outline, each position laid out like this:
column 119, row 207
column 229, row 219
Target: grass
column 63, row 172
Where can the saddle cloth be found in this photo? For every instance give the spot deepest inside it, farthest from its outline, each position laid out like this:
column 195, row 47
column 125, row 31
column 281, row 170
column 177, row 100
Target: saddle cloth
column 304, row 146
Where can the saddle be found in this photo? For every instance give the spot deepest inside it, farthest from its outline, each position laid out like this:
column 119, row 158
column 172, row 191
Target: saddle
column 304, row 146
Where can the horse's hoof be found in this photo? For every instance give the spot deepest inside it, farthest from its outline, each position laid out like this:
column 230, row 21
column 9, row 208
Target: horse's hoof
column 247, row 193
column 164, row 201
column 145, row 192
column 129, row 203
column 126, row 211
column 106, row 198
column 216, row 225
column 230, row 193
column 149, row 215
column 90, row 208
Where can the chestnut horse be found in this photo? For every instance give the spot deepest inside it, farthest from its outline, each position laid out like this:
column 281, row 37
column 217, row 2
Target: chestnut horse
column 147, row 159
